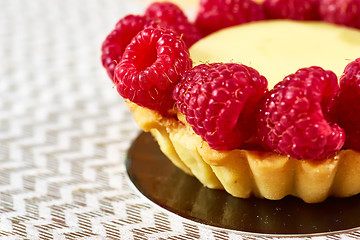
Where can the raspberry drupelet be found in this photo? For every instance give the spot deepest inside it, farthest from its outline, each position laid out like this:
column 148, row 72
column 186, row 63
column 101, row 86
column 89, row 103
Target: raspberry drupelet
column 115, row 43
column 292, row 119
column 343, row 12
column 150, row 68
column 214, row 15
column 219, row 102
column 292, row 9
column 346, row 104
column 171, row 16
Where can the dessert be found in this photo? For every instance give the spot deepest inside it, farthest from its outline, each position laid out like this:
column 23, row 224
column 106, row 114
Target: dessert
column 217, row 120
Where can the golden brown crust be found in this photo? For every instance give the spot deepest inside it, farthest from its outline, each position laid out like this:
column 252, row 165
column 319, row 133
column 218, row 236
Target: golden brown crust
column 243, row 173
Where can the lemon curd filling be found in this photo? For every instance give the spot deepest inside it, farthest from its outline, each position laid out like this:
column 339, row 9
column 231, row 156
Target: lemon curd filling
column 276, row 49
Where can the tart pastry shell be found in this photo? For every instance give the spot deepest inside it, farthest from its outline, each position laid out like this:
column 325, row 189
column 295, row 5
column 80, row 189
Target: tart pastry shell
column 245, row 173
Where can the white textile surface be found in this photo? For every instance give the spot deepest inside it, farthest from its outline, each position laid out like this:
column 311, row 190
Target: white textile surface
column 64, row 131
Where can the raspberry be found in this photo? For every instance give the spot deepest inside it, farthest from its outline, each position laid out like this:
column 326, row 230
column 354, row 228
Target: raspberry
column 171, row 16
column 150, row 68
column 346, row 104
column 115, row 43
column 164, row 14
column 219, row 102
column 342, row 12
column 218, row 14
column 292, row 118
column 292, row 9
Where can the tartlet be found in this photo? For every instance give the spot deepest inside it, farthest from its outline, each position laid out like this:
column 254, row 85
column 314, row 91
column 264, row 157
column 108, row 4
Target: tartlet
column 264, row 174
column 268, row 47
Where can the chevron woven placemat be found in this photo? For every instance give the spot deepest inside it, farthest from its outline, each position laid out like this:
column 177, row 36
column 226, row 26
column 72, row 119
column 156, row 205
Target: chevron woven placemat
column 64, row 132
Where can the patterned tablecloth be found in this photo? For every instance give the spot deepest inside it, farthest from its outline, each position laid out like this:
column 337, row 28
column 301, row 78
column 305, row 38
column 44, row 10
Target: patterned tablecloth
column 64, row 132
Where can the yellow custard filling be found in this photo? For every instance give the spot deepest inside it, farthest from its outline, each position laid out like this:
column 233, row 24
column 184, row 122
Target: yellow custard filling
column 277, row 48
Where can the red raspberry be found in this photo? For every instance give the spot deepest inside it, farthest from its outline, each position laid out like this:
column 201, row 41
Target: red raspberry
column 163, row 14
column 115, row 43
column 150, row 68
column 219, row 102
column 292, row 9
column 343, row 12
column 214, row 15
column 292, row 120
column 171, row 16
column 346, row 104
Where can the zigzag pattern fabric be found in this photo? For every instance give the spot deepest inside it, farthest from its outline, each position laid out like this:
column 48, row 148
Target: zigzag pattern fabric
column 64, row 131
